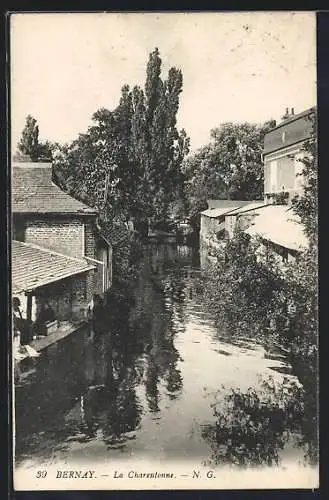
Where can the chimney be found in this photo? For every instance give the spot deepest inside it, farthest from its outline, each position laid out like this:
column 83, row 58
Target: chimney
column 292, row 111
column 286, row 115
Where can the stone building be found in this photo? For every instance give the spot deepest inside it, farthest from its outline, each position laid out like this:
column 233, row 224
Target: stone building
column 276, row 225
column 283, row 150
column 223, row 217
column 58, row 240
column 242, row 217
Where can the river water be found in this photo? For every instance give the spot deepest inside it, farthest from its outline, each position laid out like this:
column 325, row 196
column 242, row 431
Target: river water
column 145, row 389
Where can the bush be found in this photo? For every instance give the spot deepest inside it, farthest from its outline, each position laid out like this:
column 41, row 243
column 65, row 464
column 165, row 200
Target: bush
column 241, row 289
column 275, row 302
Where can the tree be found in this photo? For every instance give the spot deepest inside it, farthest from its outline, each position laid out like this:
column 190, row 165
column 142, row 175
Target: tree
column 306, row 205
column 130, row 159
column 165, row 148
column 229, row 167
column 278, row 304
column 29, row 143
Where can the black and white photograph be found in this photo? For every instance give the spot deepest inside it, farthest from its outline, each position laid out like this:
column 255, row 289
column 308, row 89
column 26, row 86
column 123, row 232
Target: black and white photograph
column 164, row 250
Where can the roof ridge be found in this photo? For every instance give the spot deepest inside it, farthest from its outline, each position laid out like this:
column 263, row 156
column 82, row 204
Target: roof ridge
column 38, row 247
column 261, row 204
column 293, row 118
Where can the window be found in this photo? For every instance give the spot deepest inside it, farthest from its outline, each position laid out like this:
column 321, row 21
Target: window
column 286, row 173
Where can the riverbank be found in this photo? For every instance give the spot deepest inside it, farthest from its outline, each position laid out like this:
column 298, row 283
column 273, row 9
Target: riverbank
column 63, row 330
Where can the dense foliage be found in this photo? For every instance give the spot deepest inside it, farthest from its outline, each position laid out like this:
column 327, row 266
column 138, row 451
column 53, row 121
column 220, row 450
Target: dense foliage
column 254, row 293
column 129, row 160
column 29, row 144
column 128, row 163
column 229, row 167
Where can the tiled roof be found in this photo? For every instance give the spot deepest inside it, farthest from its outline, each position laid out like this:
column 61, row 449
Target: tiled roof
column 279, row 224
column 118, row 234
column 114, row 234
column 33, row 266
column 34, row 192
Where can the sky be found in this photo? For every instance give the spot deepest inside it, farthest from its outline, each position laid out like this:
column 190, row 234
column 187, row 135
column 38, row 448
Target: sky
column 236, row 66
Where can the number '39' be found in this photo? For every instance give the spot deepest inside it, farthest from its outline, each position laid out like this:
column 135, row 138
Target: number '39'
column 41, row 473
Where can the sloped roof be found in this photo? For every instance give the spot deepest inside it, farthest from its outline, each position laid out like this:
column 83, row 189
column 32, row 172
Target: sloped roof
column 217, row 212
column 224, row 207
column 114, row 234
column 118, row 234
column 34, row 192
column 247, row 208
column 279, row 224
column 33, row 266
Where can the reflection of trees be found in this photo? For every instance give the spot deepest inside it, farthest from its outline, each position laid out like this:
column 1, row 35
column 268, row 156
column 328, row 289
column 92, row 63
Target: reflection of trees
column 141, row 346
column 252, row 428
column 174, row 380
column 159, row 300
column 112, row 405
column 151, row 386
column 125, row 412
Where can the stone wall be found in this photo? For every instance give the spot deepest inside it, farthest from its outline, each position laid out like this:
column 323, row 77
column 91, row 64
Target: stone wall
column 210, row 225
column 60, row 235
column 90, row 237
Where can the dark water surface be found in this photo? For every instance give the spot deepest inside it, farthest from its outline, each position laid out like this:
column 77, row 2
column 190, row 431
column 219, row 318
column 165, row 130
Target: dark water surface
column 145, row 389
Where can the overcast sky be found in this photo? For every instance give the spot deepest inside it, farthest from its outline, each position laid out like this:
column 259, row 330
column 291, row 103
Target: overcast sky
column 236, row 66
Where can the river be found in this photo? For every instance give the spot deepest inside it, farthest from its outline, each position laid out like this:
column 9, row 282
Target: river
column 146, row 389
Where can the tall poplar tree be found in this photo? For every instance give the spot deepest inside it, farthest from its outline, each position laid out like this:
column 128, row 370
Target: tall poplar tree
column 29, row 142
column 135, row 149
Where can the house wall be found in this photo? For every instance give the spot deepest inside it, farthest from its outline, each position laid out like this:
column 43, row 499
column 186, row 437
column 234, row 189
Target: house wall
column 90, row 240
column 238, row 222
column 90, row 250
column 282, row 171
column 64, row 235
column 245, row 220
column 79, row 296
column 73, row 236
column 210, row 225
column 230, row 224
column 96, row 248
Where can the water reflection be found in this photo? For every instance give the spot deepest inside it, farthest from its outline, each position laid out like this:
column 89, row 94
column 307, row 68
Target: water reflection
column 253, row 427
column 138, row 348
column 142, row 385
